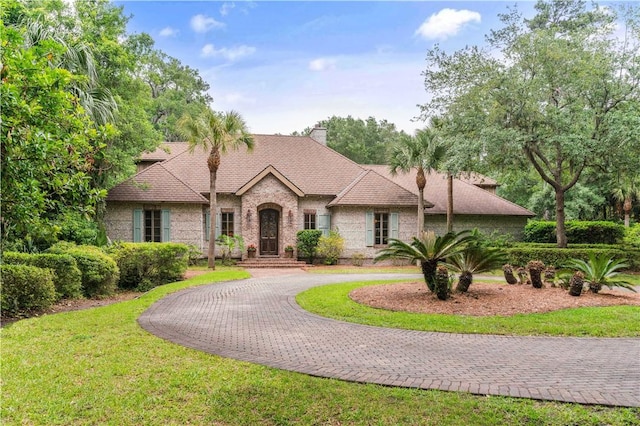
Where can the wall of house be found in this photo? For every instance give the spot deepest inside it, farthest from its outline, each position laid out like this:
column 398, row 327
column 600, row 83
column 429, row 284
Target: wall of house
column 270, row 193
column 502, row 225
column 350, row 222
column 187, row 224
column 312, row 202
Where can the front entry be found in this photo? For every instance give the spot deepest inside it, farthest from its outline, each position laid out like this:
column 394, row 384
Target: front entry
column 269, row 220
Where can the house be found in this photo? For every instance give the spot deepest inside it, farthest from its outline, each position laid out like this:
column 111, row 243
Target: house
column 286, row 184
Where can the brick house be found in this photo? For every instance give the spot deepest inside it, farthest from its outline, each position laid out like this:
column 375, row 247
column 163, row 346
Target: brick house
column 286, row 184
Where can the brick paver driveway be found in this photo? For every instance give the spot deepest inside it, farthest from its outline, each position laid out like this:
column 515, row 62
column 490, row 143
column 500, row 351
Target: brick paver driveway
column 258, row 320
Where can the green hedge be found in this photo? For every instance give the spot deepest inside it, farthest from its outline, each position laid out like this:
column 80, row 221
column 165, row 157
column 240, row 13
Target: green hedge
column 99, row 271
column 522, row 254
column 67, row 277
column 147, row 265
column 25, row 289
column 578, row 232
column 632, row 236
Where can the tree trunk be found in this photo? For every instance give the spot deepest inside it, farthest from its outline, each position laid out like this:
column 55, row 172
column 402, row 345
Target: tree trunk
column 464, row 282
column 421, row 181
column 627, row 212
column 213, row 162
column 561, row 232
column 449, row 202
column 429, row 272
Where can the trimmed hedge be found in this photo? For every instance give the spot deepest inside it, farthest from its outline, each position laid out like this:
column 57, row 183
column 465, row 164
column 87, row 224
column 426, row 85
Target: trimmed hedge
column 25, row 289
column 67, row 277
column 100, row 272
column 147, row 265
column 522, row 254
column 632, row 236
column 578, row 232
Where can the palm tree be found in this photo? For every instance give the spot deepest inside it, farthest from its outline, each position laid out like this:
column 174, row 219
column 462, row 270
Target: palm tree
column 474, row 259
column 429, row 250
column 625, row 192
column 598, row 271
column 424, row 152
column 218, row 133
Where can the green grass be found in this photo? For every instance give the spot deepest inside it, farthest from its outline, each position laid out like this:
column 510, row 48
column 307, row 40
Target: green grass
column 99, row 367
column 615, row 321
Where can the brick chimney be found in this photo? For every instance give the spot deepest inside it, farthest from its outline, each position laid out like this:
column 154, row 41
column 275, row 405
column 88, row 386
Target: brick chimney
column 319, row 134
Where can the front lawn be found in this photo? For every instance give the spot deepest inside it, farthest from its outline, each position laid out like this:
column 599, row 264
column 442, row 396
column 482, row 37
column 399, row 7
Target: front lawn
column 99, row 367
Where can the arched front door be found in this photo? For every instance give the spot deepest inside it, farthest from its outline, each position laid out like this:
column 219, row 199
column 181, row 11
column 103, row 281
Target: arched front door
column 269, row 220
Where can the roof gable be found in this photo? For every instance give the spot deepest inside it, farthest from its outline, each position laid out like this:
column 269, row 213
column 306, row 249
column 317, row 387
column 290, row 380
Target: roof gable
column 155, row 184
column 372, row 189
column 270, row 170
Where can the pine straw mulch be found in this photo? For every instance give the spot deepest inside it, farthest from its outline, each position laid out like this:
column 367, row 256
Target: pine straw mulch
column 485, row 299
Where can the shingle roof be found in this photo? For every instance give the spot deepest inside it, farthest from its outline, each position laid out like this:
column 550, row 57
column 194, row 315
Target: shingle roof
column 467, row 198
column 155, row 184
column 371, row 189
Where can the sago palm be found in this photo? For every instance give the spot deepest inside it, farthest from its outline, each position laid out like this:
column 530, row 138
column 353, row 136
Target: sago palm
column 217, row 133
column 599, row 271
column 429, row 250
column 474, row 259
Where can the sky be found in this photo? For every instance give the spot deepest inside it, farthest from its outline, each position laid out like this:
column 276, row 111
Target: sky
column 285, row 65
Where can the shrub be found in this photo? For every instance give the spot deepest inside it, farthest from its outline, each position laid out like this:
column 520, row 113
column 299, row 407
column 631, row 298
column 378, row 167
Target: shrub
column 67, row 278
column 307, row 243
column 330, row 247
column 357, row 259
column 147, row 265
column 632, row 236
column 25, row 289
column 99, row 271
column 578, row 232
column 550, row 255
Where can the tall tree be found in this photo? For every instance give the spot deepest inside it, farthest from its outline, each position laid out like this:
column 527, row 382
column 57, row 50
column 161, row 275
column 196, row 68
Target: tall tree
column 217, row 133
column 553, row 92
column 423, row 152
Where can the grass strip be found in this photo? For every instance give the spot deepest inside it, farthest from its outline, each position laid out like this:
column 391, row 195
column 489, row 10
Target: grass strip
column 614, row 321
column 99, row 367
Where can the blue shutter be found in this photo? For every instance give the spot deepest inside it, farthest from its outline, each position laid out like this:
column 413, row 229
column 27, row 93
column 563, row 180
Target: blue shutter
column 324, row 224
column 393, row 225
column 218, row 225
column 368, row 223
column 165, row 222
column 207, row 226
column 137, row 225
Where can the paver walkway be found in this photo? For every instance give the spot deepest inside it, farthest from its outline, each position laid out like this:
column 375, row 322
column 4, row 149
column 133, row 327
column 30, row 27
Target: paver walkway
column 258, row 320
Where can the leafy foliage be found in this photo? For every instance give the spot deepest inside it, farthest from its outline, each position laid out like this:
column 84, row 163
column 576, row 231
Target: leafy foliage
column 474, row 259
column 330, row 247
column 578, row 232
column 599, row 271
column 24, row 289
column 307, row 243
column 229, row 245
column 550, row 255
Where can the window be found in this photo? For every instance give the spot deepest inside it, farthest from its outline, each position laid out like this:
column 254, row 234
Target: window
column 226, row 224
column 151, row 225
column 309, row 220
column 381, row 228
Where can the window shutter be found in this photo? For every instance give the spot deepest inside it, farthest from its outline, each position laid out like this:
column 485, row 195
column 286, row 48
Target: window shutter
column 393, row 225
column 218, row 224
column 137, row 225
column 324, row 224
column 166, row 225
column 368, row 223
column 207, row 225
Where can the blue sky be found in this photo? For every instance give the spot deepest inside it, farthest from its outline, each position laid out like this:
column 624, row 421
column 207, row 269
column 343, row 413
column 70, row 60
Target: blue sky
column 285, row 65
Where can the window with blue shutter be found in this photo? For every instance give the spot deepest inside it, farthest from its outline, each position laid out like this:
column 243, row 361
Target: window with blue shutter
column 137, row 226
column 218, row 224
column 166, row 225
column 368, row 221
column 393, row 225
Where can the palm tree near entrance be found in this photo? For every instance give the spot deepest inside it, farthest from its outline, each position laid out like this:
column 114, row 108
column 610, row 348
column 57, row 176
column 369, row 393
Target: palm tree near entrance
column 424, row 152
column 625, row 191
column 218, row 133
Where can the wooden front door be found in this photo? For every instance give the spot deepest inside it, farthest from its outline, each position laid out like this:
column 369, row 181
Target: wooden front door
column 269, row 220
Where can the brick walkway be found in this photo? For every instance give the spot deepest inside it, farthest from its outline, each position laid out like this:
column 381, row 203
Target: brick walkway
column 258, row 320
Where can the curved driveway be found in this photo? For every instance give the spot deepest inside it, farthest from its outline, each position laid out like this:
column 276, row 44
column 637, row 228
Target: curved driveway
column 258, row 320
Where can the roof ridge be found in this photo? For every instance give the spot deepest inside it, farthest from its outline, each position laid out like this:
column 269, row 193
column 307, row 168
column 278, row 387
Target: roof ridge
column 180, row 180
column 349, row 187
column 399, row 186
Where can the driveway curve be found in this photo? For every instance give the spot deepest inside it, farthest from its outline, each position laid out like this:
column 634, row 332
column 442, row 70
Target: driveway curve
column 258, row 320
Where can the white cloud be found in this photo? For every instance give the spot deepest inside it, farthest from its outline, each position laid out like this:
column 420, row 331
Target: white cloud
column 235, row 99
column 322, row 64
column 225, row 8
column 445, row 23
column 231, row 54
column 203, row 23
column 168, row 32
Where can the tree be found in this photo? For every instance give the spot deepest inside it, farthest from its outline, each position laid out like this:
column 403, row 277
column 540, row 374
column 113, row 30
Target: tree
column 558, row 96
column 474, row 259
column 625, row 191
column 428, row 249
column 424, row 152
column 363, row 141
column 217, row 133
